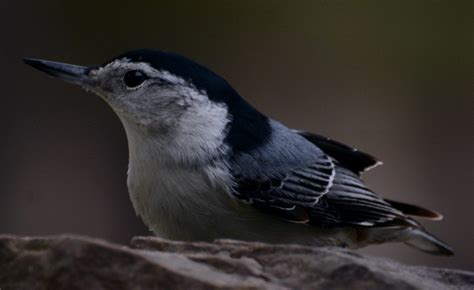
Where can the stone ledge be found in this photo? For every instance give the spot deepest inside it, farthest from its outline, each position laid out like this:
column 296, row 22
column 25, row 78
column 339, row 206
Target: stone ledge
column 74, row 262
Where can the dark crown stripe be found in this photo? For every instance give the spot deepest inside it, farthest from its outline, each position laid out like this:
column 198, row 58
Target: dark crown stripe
column 248, row 128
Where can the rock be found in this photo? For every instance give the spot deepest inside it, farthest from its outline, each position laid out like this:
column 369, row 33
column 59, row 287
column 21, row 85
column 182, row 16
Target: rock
column 72, row 262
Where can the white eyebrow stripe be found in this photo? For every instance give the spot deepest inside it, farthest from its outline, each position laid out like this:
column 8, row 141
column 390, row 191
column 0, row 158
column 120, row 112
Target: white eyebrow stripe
column 125, row 63
column 166, row 75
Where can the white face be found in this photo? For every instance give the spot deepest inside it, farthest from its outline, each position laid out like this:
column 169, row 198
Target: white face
column 159, row 110
column 162, row 105
column 143, row 95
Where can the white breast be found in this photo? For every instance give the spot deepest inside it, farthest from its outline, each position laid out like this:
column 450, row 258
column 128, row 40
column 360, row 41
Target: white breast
column 175, row 198
column 179, row 203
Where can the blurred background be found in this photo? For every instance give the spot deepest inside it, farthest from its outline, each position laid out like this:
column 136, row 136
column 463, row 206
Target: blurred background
column 393, row 78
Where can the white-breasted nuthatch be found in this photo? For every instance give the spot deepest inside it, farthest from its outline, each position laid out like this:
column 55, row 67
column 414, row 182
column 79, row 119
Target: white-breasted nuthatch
column 204, row 164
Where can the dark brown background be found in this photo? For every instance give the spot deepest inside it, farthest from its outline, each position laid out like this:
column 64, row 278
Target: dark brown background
column 394, row 78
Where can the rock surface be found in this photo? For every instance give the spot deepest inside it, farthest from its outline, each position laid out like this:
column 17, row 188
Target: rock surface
column 72, row 262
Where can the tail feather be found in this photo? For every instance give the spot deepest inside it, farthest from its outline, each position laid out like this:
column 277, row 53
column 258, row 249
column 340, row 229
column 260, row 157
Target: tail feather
column 424, row 241
column 414, row 210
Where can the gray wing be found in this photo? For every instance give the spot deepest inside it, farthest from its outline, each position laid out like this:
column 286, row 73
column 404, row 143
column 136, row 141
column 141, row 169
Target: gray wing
column 289, row 195
column 349, row 158
column 297, row 181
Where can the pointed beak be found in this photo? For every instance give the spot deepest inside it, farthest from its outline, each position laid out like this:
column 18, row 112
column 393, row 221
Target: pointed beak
column 70, row 73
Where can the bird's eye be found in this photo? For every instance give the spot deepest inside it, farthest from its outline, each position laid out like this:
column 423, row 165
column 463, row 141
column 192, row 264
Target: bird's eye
column 134, row 78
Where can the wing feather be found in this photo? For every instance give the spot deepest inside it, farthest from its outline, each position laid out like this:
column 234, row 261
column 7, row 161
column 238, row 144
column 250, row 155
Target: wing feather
column 322, row 193
column 350, row 158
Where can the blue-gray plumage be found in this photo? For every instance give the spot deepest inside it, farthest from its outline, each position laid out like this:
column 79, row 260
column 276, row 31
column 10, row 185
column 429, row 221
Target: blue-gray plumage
column 205, row 164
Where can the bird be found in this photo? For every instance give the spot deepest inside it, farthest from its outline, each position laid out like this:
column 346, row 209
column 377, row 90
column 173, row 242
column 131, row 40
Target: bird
column 205, row 164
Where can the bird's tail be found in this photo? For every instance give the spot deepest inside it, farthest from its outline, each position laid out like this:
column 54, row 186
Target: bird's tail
column 415, row 210
column 426, row 242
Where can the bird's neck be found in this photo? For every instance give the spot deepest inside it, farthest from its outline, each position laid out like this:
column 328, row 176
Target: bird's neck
column 153, row 156
column 162, row 186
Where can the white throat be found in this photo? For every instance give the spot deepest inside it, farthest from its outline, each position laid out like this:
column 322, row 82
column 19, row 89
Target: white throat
column 174, row 179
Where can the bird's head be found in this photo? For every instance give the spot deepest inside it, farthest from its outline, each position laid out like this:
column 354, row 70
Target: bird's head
column 170, row 97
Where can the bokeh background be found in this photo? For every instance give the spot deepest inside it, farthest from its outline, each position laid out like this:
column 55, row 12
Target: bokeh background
column 394, row 78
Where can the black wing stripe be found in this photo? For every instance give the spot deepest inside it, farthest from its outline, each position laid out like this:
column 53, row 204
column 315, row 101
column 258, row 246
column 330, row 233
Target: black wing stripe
column 366, row 209
column 327, row 164
column 355, row 216
column 312, row 176
column 363, row 202
column 352, row 191
column 308, row 185
column 319, row 170
column 296, row 194
column 363, row 211
column 323, row 170
column 355, row 160
column 358, row 205
column 348, row 177
column 358, row 185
